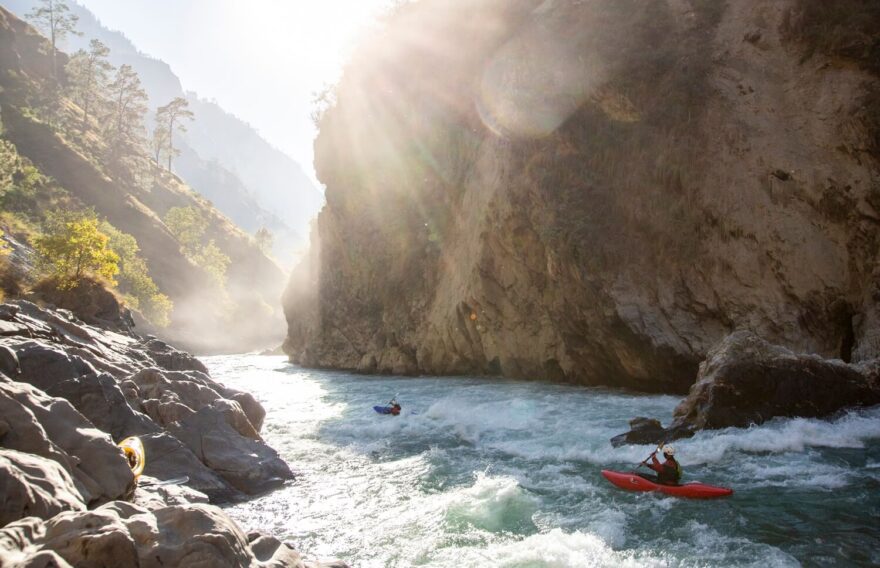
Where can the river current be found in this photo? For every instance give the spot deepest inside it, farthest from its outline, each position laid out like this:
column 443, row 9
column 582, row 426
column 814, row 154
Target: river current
column 492, row 472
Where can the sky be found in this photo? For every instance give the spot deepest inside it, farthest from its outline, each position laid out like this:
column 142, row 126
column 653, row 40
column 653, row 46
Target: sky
column 262, row 60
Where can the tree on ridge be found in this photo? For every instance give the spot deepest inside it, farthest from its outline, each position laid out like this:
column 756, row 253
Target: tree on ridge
column 128, row 105
column 89, row 75
column 52, row 17
column 168, row 118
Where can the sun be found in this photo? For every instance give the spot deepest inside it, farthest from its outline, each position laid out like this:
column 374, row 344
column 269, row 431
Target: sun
column 319, row 35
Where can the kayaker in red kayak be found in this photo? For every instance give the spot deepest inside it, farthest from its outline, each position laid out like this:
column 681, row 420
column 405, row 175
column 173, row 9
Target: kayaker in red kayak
column 668, row 472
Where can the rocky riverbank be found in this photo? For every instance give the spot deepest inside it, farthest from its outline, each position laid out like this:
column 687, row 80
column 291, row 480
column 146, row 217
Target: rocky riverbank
column 70, row 391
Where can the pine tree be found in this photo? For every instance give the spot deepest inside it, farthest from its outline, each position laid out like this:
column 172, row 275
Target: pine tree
column 160, row 140
column 52, row 17
column 168, row 118
column 128, row 105
column 88, row 75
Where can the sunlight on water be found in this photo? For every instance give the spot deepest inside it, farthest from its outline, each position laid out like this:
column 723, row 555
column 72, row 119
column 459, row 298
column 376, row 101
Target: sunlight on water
column 490, row 472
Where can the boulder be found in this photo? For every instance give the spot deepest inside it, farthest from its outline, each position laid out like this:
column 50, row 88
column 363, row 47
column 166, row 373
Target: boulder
column 166, row 410
column 33, row 422
column 168, row 458
column 186, row 389
column 213, row 434
column 99, row 398
column 152, row 494
column 649, row 431
column 124, row 534
column 32, row 486
column 9, row 364
column 746, row 380
column 252, row 408
column 170, row 358
column 170, row 396
column 42, row 365
column 8, row 312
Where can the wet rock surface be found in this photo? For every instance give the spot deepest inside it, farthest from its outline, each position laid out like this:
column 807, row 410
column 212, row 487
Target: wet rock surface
column 745, row 380
column 69, row 392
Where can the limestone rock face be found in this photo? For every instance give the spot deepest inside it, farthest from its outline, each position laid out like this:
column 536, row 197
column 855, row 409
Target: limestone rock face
column 123, row 534
column 31, row 486
column 746, row 380
column 556, row 204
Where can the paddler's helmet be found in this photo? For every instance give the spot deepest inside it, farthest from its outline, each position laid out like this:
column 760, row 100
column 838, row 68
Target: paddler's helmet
column 668, row 451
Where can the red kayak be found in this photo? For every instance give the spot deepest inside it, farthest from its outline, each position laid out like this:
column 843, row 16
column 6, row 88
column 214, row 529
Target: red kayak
column 693, row 490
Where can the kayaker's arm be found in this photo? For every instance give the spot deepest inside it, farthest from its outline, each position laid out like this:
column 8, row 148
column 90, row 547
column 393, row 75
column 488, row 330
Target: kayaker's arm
column 655, row 463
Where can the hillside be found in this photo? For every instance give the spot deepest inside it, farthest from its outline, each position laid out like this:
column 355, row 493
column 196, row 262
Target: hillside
column 597, row 192
column 136, row 200
column 276, row 191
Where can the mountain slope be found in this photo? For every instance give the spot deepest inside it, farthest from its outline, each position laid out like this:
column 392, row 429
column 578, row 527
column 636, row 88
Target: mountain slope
column 222, row 145
column 598, row 191
column 137, row 204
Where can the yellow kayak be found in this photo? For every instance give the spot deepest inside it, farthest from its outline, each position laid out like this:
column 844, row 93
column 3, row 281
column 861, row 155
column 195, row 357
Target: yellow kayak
column 134, row 453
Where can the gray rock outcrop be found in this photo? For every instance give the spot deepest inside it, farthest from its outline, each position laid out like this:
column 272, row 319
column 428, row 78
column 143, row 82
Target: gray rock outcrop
column 745, row 380
column 125, row 534
column 125, row 386
column 67, row 494
column 33, row 422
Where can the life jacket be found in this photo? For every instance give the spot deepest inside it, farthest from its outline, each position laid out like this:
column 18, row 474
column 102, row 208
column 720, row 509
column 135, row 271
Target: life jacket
column 671, row 472
column 395, row 410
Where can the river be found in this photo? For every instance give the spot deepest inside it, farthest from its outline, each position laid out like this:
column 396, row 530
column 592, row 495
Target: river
column 493, row 472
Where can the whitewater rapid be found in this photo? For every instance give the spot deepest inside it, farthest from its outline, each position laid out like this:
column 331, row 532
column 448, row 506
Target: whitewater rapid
column 491, row 472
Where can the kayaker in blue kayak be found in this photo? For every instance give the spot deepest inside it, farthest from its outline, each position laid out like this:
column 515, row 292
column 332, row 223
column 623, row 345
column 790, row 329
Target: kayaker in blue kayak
column 395, row 407
column 668, row 472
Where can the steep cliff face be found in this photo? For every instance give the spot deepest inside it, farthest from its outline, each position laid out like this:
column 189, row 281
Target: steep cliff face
column 597, row 191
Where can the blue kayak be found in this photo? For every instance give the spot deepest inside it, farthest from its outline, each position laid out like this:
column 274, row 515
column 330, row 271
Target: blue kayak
column 382, row 409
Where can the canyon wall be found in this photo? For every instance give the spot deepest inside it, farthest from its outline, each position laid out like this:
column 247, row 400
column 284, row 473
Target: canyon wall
column 596, row 192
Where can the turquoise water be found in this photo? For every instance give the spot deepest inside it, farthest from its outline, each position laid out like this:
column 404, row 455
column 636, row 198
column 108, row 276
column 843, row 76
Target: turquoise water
column 490, row 472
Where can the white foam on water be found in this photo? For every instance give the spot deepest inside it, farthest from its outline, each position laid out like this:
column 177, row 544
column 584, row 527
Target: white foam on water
column 803, row 472
column 784, row 435
column 553, row 549
column 701, row 545
column 491, row 504
column 483, row 472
